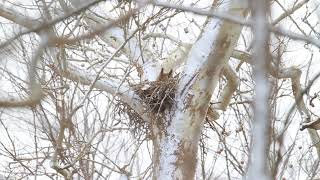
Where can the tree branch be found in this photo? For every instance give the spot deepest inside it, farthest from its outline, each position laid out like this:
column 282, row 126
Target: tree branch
column 125, row 92
column 41, row 25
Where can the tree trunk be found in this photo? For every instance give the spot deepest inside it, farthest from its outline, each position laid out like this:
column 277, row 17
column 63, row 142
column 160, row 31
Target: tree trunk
column 176, row 139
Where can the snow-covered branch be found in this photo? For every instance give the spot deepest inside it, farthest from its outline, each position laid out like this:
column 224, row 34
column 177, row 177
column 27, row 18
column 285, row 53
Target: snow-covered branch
column 242, row 21
column 17, row 17
column 206, row 58
column 74, row 73
column 289, row 12
column 124, row 92
column 116, row 36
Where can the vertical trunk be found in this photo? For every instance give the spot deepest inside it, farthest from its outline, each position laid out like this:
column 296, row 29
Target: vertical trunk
column 261, row 124
column 176, row 145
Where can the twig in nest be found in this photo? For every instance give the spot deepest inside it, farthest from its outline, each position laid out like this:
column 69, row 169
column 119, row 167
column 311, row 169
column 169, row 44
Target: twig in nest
column 158, row 95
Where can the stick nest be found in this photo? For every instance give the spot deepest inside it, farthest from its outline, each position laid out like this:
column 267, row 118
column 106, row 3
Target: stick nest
column 157, row 96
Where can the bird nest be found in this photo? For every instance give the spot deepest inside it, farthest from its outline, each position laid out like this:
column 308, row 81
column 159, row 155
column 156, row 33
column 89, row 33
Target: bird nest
column 157, row 96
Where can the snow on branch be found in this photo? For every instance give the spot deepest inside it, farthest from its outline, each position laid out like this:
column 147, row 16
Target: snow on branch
column 294, row 74
column 243, row 21
column 125, row 92
column 116, row 36
column 16, row 17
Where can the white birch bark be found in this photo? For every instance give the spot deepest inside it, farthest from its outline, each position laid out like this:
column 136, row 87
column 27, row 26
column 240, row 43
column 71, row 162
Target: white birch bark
column 179, row 141
column 261, row 125
column 176, row 144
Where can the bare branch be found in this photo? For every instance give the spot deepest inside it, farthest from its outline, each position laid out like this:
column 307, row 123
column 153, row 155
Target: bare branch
column 289, row 12
column 228, row 17
column 43, row 25
column 17, row 17
column 125, row 92
column 35, row 89
column 229, row 89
